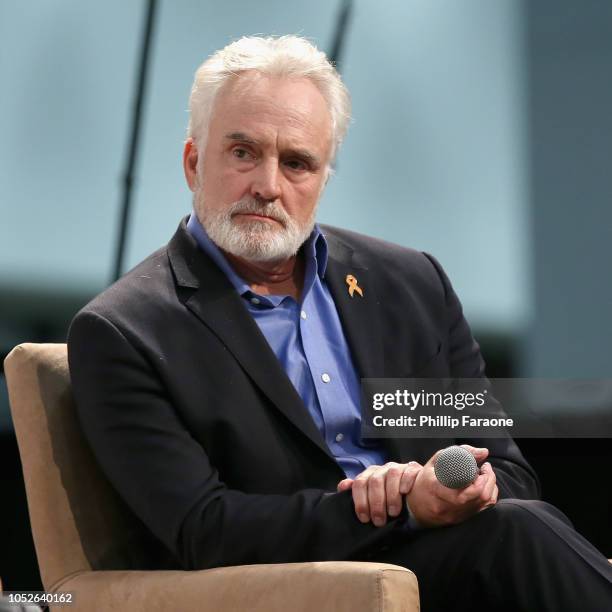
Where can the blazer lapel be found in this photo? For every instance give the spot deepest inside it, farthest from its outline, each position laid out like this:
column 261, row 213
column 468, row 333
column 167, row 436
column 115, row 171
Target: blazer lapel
column 359, row 313
column 214, row 301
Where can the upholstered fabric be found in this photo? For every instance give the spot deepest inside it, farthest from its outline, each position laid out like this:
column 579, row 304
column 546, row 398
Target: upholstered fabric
column 325, row 586
column 88, row 542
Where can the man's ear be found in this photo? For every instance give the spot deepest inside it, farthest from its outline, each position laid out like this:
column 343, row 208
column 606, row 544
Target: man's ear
column 190, row 163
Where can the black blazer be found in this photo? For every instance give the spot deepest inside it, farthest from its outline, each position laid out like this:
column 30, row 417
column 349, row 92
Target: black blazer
column 195, row 423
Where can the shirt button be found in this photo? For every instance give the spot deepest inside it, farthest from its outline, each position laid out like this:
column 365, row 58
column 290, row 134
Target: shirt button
column 303, row 314
column 255, row 300
column 325, row 377
column 339, row 437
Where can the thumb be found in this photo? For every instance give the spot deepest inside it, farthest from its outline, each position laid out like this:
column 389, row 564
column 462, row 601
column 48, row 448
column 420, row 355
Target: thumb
column 480, row 454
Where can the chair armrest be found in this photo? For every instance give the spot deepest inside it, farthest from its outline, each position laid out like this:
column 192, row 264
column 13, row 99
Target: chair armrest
column 338, row 586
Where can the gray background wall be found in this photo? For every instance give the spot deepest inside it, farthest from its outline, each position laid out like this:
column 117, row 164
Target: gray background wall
column 570, row 161
column 435, row 158
column 481, row 133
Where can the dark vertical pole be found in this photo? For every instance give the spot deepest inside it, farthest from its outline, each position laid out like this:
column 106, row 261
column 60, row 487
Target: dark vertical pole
column 128, row 175
column 337, row 47
column 344, row 15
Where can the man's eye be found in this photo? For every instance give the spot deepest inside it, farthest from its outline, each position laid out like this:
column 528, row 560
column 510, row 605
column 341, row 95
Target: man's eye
column 241, row 153
column 296, row 164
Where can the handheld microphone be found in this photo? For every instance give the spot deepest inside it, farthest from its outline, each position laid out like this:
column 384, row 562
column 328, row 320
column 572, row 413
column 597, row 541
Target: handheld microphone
column 455, row 467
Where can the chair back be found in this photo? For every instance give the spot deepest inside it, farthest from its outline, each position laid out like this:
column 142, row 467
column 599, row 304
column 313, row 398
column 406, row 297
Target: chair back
column 78, row 521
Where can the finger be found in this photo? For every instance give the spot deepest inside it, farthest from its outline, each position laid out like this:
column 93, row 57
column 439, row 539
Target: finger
column 360, row 500
column 480, row 454
column 360, row 494
column 493, row 499
column 487, row 468
column 491, row 484
column 392, row 489
column 487, row 493
column 345, row 485
column 474, row 492
column 409, row 476
column 377, row 496
column 482, row 488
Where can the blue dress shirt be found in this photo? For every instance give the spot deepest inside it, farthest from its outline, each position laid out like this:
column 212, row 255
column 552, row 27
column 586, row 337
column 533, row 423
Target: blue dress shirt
column 308, row 340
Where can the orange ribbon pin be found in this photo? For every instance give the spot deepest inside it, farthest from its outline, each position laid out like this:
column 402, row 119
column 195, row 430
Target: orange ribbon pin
column 351, row 281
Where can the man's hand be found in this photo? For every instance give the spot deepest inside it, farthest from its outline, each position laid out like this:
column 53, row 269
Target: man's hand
column 434, row 505
column 378, row 490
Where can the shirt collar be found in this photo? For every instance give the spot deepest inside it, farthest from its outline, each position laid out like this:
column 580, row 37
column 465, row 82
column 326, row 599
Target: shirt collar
column 315, row 253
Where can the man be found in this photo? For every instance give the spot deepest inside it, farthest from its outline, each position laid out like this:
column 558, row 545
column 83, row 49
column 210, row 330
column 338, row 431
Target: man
column 218, row 381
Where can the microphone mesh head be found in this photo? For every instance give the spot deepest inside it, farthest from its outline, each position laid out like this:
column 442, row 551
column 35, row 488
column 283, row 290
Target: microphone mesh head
column 455, row 467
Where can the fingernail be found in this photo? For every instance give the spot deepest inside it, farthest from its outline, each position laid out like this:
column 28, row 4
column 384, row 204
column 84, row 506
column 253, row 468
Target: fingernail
column 393, row 510
column 378, row 521
column 363, row 517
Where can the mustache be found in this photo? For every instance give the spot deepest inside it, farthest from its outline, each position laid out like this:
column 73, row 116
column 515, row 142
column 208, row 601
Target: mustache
column 269, row 209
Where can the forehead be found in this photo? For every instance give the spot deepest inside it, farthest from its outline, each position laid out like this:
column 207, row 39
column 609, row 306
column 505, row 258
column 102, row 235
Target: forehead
column 273, row 109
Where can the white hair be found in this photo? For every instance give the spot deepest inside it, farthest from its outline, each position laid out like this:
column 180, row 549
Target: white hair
column 284, row 56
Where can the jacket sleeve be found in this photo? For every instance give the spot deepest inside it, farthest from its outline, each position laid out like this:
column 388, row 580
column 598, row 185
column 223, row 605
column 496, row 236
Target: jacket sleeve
column 515, row 477
column 165, row 476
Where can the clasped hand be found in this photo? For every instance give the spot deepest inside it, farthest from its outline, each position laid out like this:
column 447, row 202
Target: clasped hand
column 378, row 492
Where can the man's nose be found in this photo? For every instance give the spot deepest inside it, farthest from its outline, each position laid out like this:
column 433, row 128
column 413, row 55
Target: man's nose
column 265, row 185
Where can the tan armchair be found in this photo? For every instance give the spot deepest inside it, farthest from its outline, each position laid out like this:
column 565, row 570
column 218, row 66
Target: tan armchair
column 86, row 540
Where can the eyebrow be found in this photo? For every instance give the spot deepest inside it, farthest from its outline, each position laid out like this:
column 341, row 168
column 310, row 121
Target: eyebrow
column 303, row 153
column 241, row 137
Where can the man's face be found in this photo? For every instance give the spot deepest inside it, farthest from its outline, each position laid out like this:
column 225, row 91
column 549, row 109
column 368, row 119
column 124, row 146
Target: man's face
column 264, row 166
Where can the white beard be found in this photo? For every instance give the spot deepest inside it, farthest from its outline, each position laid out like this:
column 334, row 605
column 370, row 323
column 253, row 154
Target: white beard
column 258, row 241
